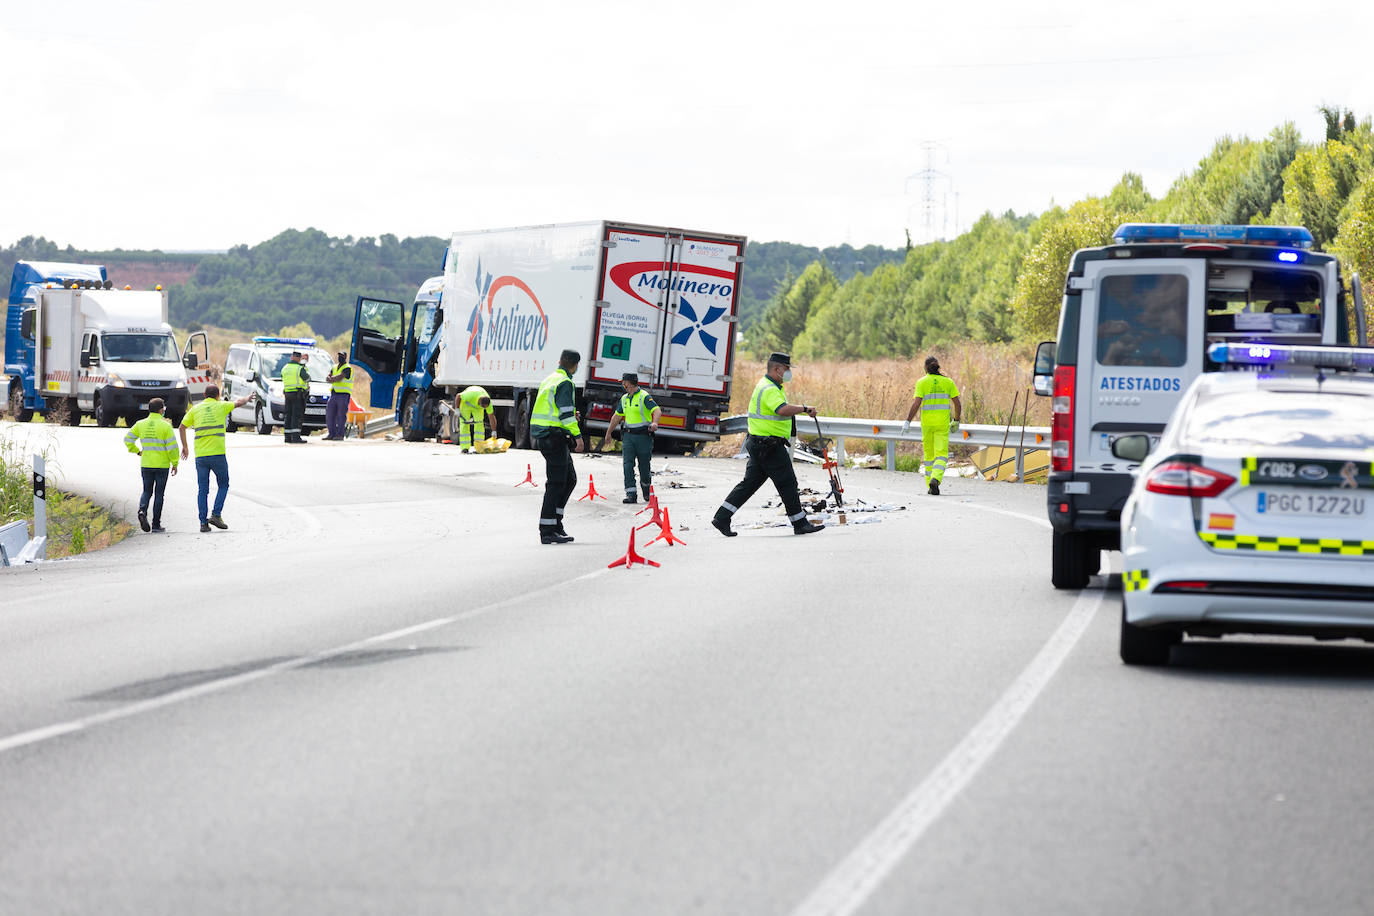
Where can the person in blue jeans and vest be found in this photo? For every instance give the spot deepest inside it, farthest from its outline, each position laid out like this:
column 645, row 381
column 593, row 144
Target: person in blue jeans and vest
column 637, row 416
column 207, row 419
column 153, row 440
column 554, row 431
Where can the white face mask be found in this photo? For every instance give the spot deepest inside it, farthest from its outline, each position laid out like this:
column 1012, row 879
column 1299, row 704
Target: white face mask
column 787, row 375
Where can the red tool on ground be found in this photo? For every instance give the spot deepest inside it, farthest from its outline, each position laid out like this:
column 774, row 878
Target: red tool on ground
column 591, row 490
column 831, row 465
column 529, row 478
column 631, row 556
column 666, row 532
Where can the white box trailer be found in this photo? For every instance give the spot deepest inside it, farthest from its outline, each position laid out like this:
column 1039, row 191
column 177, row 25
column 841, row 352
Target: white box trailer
column 659, row 302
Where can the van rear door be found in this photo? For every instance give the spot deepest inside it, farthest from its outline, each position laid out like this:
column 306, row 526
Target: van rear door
column 1142, row 337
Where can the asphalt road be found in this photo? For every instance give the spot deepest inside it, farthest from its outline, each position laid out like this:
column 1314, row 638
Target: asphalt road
column 378, row 693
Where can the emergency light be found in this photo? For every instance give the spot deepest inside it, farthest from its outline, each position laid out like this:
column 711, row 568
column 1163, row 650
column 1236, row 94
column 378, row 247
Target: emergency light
column 290, row 341
column 1278, row 236
column 1255, row 354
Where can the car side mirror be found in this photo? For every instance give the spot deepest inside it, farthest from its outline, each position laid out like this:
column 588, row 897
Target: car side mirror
column 85, row 360
column 251, row 376
column 1042, row 381
column 191, row 361
column 1131, row 448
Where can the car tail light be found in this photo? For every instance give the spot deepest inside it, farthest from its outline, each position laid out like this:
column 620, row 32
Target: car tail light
column 600, row 412
column 1184, row 478
column 1061, row 420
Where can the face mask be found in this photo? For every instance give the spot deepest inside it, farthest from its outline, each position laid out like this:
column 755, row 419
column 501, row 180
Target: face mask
column 787, row 375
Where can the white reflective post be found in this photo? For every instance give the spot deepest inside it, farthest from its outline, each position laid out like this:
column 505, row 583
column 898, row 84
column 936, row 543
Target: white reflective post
column 40, row 505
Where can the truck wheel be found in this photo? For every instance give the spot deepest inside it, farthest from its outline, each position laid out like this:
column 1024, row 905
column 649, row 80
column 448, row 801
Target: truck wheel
column 522, row 423
column 102, row 414
column 1143, row 645
column 411, row 430
column 260, row 423
column 1069, row 559
column 18, row 411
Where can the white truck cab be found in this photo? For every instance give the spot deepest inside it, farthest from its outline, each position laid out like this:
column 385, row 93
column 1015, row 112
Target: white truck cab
column 1134, row 328
column 255, row 368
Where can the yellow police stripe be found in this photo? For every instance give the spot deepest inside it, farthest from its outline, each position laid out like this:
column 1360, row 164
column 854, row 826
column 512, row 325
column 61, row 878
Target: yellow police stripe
column 1347, row 548
column 1246, row 466
column 1135, row 580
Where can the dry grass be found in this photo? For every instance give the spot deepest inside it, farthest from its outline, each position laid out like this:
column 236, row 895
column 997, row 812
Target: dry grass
column 989, row 377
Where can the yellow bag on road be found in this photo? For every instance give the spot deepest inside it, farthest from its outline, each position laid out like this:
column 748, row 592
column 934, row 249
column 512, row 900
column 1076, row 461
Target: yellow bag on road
column 491, row 446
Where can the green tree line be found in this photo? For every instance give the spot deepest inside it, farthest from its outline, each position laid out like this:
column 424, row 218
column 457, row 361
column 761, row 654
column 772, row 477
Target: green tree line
column 1003, row 279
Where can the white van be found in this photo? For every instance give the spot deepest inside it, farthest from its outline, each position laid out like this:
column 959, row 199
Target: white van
column 1134, row 328
column 255, row 368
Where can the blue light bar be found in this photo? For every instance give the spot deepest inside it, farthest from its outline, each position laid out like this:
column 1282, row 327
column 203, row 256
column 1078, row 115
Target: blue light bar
column 1256, row 354
column 291, row 341
column 1284, row 236
column 1290, row 257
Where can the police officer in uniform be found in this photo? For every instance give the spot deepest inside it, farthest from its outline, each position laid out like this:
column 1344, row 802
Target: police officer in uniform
column 554, row 431
column 770, row 428
column 637, row 415
column 295, row 383
column 340, row 395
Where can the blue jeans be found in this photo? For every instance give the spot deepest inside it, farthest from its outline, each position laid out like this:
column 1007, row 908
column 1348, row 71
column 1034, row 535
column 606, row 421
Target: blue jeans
column 204, row 465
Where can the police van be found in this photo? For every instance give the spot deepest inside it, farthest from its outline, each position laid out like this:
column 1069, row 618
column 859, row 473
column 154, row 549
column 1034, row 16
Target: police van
column 1136, row 321
column 255, row 368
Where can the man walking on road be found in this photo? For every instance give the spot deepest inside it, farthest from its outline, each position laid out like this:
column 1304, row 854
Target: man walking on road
column 154, row 441
column 207, row 419
column 341, row 393
column 554, row 431
column 937, row 399
column 638, row 416
column 770, row 428
column 474, row 407
column 295, row 384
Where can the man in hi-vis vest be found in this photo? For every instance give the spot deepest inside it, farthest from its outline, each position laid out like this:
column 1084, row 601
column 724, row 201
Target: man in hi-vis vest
column 554, row 431
column 637, row 417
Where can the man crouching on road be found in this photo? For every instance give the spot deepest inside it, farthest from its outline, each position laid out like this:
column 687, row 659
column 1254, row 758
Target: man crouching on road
column 770, row 428
column 554, row 431
column 207, row 419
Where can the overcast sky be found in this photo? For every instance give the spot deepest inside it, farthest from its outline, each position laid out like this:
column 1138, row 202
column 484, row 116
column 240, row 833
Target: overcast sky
column 197, row 126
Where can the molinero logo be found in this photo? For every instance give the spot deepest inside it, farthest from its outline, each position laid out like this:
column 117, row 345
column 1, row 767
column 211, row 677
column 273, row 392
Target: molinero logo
column 701, row 283
column 517, row 324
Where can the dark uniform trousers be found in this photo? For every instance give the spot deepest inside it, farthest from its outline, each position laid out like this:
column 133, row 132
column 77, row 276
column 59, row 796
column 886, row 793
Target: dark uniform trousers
column 768, row 460
column 294, row 421
column 561, row 477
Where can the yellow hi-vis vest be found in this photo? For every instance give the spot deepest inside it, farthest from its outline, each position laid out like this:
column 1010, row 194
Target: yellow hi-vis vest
column 546, row 411
column 291, row 378
column 768, row 396
column 632, row 408
column 159, row 442
column 468, row 408
column 936, row 393
column 342, row 385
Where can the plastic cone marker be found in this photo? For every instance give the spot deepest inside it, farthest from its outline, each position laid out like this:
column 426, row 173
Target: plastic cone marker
column 591, row 490
column 666, row 532
column 657, row 517
column 631, row 556
column 529, row 478
column 653, row 504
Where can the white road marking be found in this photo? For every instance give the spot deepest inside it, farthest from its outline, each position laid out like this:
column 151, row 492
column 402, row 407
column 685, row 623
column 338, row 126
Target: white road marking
column 855, row 879
column 49, row 732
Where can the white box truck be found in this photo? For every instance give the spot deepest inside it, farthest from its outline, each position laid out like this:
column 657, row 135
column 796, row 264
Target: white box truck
column 76, row 345
column 659, row 302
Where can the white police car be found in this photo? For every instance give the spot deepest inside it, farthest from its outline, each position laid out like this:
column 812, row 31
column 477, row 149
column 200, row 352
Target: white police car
column 255, row 368
column 1255, row 512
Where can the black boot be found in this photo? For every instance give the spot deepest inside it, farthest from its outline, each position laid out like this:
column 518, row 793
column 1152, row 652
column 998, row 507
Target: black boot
column 934, row 488
column 551, row 536
column 722, row 524
column 805, row 527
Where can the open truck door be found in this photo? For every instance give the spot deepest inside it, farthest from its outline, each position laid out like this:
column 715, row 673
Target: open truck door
column 195, row 356
column 378, row 345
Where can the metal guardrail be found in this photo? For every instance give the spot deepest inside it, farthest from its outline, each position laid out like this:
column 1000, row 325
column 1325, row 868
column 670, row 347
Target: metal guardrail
column 379, row 425
column 1021, row 439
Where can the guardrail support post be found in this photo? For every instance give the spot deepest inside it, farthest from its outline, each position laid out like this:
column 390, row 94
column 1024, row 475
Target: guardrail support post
column 892, row 454
column 839, row 450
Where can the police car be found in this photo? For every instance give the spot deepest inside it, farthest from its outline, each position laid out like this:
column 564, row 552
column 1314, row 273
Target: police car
column 1255, row 511
column 255, row 368
column 1136, row 321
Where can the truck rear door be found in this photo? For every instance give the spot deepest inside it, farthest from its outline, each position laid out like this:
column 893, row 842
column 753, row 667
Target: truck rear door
column 377, row 339
column 666, row 310
column 1143, row 337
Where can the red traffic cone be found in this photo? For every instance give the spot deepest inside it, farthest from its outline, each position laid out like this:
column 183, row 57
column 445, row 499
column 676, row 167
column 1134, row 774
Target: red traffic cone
column 653, row 504
column 631, row 556
column 591, row 490
column 666, row 532
column 529, row 478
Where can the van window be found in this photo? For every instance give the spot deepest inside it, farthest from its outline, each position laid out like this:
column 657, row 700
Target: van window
column 1142, row 320
column 236, row 363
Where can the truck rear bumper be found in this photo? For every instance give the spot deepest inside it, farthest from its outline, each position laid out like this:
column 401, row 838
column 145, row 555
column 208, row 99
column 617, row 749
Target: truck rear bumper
column 1089, row 502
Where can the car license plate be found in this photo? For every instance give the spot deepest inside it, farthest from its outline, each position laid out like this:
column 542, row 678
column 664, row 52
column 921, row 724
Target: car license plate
column 142, row 405
column 1324, row 505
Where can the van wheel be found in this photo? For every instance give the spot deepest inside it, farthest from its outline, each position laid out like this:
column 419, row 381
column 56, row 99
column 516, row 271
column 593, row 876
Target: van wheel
column 229, row 426
column 102, row 414
column 1071, row 558
column 1143, row 645
column 18, row 411
column 411, row 430
column 260, row 423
